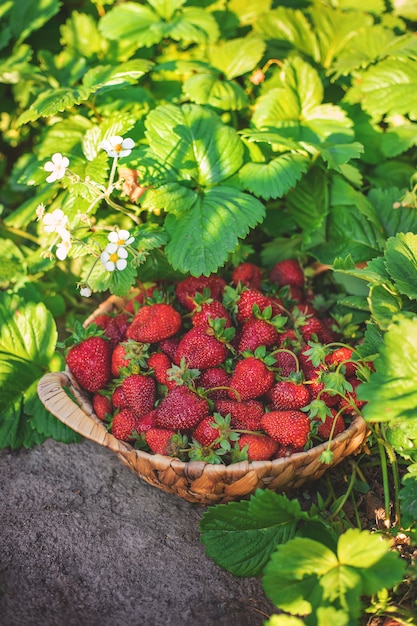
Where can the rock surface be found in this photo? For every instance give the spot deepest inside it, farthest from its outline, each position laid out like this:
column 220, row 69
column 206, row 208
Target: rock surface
column 85, row 542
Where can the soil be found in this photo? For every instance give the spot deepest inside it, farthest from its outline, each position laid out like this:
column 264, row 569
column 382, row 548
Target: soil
column 84, row 541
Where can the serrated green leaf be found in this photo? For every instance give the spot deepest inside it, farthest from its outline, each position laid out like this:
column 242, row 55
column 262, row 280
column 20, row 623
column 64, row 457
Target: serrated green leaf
column 338, row 154
column 308, row 201
column 16, row 66
column 289, row 25
column 209, row 88
column 80, row 33
column 202, row 237
column 64, row 136
column 392, row 221
column 240, row 536
column 171, row 198
column 30, row 16
column 384, row 304
column 387, row 88
column 274, row 178
column 53, row 101
column 401, row 434
column 28, row 333
column 44, row 423
column 249, row 11
column 193, row 141
column 401, row 261
column 237, row 56
column 125, row 73
column 408, row 499
column 133, row 23
column 15, row 428
column 194, row 25
column 391, row 391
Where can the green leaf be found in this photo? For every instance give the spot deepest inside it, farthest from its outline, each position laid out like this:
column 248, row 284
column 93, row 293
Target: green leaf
column 274, row 178
column 209, row 88
column 408, row 499
column 193, row 141
column 194, row 25
column 387, row 88
column 237, row 56
column 240, row 536
column 132, row 23
column 43, row 422
column 202, row 237
column 392, row 220
column 303, row 575
column 108, row 75
column 80, row 34
column 401, row 261
column 391, row 391
column 15, row 428
column 53, row 101
column 308, row 202
column 384, row 304
column 30, row 16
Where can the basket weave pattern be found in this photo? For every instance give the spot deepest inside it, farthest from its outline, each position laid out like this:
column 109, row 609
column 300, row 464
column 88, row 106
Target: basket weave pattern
column 195, row 481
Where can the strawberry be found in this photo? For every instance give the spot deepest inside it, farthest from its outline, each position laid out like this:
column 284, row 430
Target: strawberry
column 128, row 354
column 244, row 415
column 181, row 409
column 251, row 378
column 211, row 310
column 286, row 394
column 312, row 327
column 216, row 285
column 169, row 346
column 351, row 404
column 212, row 378
column 117, row 327
column 159, row 439
column 102, row 405
column 247, row 299
column 118, row 398
column 288, row 428
column 258, row 447
column 90, row 361
column 160, row 363
column 286, row 362
column 124, row 424
column 146, row 422
column 139, row 392
column 255, row 333
column 102, row 320
column 138, row 299
column 205, row 433
column 154, row 322
column 187, row 289
column 342, row 356
column 287, row 272
column 200, row 349
column 332, row 426
column 248, row 274
column 317, row 388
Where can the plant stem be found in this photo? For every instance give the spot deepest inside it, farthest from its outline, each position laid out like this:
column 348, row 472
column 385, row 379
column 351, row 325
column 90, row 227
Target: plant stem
column 347, row 494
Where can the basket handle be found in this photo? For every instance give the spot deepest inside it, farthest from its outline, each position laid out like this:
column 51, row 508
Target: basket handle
column 53, row 395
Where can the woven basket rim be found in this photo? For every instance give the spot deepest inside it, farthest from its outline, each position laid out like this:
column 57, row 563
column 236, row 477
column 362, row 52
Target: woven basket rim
column 61, row 380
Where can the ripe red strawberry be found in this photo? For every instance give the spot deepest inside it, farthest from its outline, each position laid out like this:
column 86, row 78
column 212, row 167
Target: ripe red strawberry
column 255, row 333
column 333, row 425
column 352, row 403
column 146, row 422
column 205, row 433
column 247, row 299
column 286, row 394
column 211, row 378
column 287, row 272
column 160, row 363
column 181, row 409
column 248, row 274
column 259, row 447
column 244, row 415
column 200, row 349
column 158, row 439
column 251, row 378
column 124, row 424
column 128, row 354
column 102, row 320
column 313, row 327
column 90, row 362
column 118, row 398
column 140, row 393
column 288, row 428
column 343, row 355
column 187, row 288
column 154, row 322
column 169, row 346
column 117, row 327
column 286, row 362
column 317, row 387
column 210, row 310
column 102, row 405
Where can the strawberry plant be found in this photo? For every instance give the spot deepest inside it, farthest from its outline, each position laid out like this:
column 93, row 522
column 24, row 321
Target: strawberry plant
column 260, row 159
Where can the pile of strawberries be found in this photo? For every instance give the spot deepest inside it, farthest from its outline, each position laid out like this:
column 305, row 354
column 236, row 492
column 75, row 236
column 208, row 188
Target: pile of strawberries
column 221, row 371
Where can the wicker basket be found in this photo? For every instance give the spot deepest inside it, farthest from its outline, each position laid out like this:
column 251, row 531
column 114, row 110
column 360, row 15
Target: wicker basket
column 195, row 481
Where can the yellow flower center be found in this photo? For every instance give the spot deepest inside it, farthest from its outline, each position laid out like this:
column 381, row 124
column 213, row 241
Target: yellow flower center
column 118, row 147
column 113, row 257
column 120, row 242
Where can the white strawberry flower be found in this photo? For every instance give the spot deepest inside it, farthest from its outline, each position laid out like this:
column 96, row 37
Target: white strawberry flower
column 55, row 222
column 117, row 147
column 85, row 291
column 57, row 166
column 63, row 248
column 121, row 238
column 114, row 257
